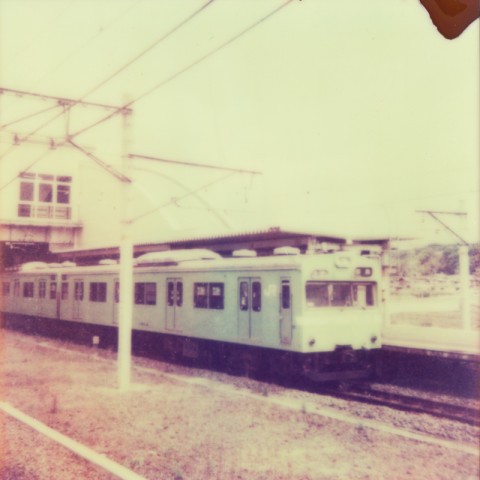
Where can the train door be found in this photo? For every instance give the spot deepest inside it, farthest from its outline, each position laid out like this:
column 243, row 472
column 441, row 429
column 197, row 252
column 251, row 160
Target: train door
column 249, row 308
column 116, row 300
column 285, row 312
column 78, row 296
column 174, row 303
column 42, row 296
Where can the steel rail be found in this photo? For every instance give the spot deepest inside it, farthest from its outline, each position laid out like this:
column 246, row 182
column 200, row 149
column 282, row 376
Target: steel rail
column 367, row 394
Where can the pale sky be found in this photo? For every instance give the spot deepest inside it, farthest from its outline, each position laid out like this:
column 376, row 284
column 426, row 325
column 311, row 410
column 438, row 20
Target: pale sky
column 357, row 112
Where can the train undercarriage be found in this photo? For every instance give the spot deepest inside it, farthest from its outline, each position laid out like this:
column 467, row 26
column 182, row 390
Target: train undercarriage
column 342, row 364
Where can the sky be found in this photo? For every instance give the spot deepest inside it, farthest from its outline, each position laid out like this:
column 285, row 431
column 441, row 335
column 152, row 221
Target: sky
column 358, row 113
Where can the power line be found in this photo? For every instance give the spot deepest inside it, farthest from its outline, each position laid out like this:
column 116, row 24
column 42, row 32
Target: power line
column 198, row 197
column 26, row 117
column 191, row 164
column 72, row 103
column 47, row 29
column 188, row 67
column 27, row 137
column 174, row 201
column 106, row 166
column 61, row 101
column 151, row 47
column 40, row 157
column 434, row 214
column 213, row 52
column 89, row 41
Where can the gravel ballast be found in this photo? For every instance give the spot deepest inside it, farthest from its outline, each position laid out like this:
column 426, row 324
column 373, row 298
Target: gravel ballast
column 183, row 423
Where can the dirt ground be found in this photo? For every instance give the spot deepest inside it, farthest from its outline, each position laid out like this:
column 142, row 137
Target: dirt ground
column 178, row 423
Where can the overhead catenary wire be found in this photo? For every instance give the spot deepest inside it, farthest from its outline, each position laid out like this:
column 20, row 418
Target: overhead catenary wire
column 47, row 29
column 150, row 47
column 27, row 117
column 191, row 164
column 207, row 206
column 73, row 103
column 84, row 45
column 174, row 201
column 40, row 157
column 186, row 68
column 113, row 171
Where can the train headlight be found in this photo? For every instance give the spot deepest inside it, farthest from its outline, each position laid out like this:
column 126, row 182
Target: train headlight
column 373, row 339
column 311, row 342
column 363, row 272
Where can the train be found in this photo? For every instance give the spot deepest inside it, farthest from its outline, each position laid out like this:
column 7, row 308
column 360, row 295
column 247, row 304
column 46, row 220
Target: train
column 313, row 316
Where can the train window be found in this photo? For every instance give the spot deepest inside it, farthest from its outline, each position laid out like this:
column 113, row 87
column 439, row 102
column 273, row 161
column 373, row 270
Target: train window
column 28, row 289
column 53, row 290
column 285, row 295
column 42, row 289
column 243, row 296
column 208, row 295
column 145, row 293
column 98, row 292
column 64, row 292
column 256, row 296
column 6, row 289
column 370, row 300
column 139, row 293
column 341, row 295
column 179, row 294
column 170, row 293
column 78, row 291
column 216, row 296
column 200, row 295
column 150, row 293
column 317, row 294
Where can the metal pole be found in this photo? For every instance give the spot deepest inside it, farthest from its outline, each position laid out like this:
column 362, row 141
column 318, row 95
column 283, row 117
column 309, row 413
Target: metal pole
column 464, row 272
column 126, row 272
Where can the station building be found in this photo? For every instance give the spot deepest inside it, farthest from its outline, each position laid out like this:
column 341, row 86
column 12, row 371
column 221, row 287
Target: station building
column 65, row 207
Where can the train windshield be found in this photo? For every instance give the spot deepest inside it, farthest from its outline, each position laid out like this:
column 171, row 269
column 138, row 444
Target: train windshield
column 340, row 294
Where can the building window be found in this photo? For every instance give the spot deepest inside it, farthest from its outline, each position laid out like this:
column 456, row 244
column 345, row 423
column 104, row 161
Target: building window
column 45, row 193
column 26, row 191
column 63, row 194
column 146, row 293
column 98, row 292
column 208, row 295
column 44, row 196
column 28, row 289
column 24, row 210
column 53, row 290
column 6, row 289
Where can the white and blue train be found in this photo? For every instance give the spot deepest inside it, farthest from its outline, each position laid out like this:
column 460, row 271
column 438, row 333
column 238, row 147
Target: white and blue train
column 317, row 316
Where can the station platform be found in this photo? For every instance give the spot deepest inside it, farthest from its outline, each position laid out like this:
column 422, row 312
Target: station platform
column 432, row 341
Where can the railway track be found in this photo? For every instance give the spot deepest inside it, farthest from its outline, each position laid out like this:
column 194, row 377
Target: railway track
column 370, row 395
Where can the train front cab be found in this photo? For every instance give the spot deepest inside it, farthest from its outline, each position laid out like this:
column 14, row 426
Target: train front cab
column 339, row 326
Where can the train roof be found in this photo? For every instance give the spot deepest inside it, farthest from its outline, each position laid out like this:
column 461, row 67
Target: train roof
column 202, row 259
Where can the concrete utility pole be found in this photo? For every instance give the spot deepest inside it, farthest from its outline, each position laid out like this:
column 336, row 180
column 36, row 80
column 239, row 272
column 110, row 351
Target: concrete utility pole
column 126, row 269
column 463, row 268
